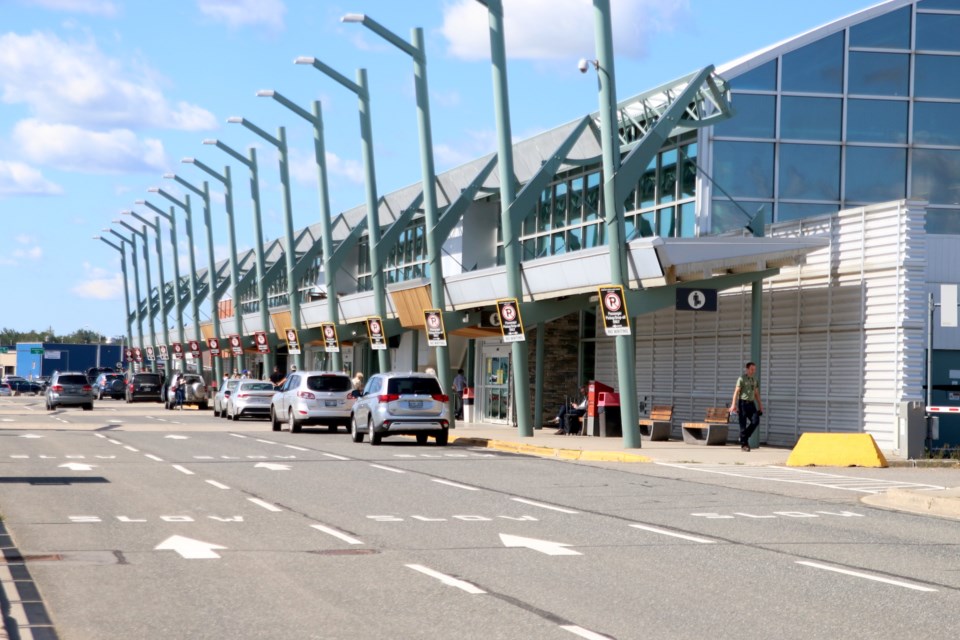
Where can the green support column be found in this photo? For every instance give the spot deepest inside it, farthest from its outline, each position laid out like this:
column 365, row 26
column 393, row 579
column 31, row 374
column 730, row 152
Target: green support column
column 155, row 225
column 148, row 299
column 178, row 305
column 126, row 290
column 756, row 321
column 136, row 283
column 538, row 383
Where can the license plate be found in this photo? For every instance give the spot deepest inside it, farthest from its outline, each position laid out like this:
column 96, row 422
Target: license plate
column 415, row 404
column 329, row 403
column 147, row 387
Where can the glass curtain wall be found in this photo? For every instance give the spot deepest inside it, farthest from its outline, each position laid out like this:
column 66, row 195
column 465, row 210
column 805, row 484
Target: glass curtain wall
column 867, row 114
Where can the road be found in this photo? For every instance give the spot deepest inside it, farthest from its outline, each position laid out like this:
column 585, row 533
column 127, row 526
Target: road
column 137, row 522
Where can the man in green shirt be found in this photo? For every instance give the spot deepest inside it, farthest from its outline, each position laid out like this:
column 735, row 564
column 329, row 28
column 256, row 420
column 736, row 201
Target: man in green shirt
column 747, row 405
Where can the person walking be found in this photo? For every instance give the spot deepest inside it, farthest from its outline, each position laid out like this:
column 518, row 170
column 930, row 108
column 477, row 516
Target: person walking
column 459, row 384
column 179, row 391
column 746, row 403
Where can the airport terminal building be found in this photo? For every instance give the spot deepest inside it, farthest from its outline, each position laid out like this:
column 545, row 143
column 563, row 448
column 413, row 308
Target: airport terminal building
column 845, row 140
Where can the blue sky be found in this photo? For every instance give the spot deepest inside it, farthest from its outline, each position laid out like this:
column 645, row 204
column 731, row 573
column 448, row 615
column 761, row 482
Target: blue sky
column 100, row 98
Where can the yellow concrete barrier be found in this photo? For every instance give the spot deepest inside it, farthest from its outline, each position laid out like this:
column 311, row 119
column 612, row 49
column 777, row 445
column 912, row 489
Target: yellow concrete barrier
column 836, row 450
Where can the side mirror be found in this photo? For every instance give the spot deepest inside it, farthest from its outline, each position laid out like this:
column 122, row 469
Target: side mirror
column 226, row 393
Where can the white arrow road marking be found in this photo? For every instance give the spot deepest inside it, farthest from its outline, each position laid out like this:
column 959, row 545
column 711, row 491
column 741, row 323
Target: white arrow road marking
column 177, row 437
column 336, row 534
column 272, row 467
column 28, row 435
column 189, row 548
column 447, row 580
column 543, row 546
column 867, row 576
column 78, row 466
column 673, row 534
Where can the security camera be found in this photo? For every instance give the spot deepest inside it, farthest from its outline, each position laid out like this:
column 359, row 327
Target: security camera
column 582, row 65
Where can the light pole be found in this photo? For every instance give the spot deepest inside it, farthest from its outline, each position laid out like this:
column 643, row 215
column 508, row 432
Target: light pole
column 251, row 164
column 172, row 219
column 164, row 311
column 416, row 50
column 290, row 255
column 227, row 181
column 326, row 230
column 194, row 302
column 204, row 194
column 126, row 291
column 136, row 283
column 373, row 223
column 142, row 232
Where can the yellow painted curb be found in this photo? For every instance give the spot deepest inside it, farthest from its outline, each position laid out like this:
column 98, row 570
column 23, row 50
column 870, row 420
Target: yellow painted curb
column 550, row 452
column 836, row 450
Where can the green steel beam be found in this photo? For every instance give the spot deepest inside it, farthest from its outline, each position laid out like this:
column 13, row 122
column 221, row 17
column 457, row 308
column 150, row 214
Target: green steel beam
column 449, row 219
column 347, row 244
column 391, row 236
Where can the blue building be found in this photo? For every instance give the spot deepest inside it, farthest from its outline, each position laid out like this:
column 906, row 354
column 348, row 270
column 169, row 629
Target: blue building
column 36, row 359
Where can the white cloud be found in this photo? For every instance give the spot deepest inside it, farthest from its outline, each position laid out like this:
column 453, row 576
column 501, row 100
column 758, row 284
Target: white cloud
column 303, row 168
column 99, row 284
column 93, row 7
column 568, row 33
column 71, row 148
column 26, row 248
column 349, row 169
column 76, row 83
column 242, row 13
column 18, row 179
column 474, row 144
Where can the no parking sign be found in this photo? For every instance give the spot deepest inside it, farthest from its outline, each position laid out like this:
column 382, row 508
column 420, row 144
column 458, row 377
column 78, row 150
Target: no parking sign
column 511, row 324
column 436, row 334
column 616, row 320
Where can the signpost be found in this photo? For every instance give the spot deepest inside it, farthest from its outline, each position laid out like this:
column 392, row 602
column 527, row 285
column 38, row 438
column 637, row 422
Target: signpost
column 375, row 332
column 436, row 334
column 511, row 324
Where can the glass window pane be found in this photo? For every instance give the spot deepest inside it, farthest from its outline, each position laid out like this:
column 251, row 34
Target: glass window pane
column 558, row 244
column 592, row 236
column 796, row 210
column 889, row 31
column 810, row 118
column 943, row 221
column 936, row 123
column 938, row 32
column 728, row 216
column 630, row 203
column 688, row 220
column 630, row 228
column 576, row 200
column 666, row 224
column 592, row 197
column 647, row 220
column 744, row 169
column 543, row 214
column 936, row 176
column 574, row 237
column 648, row 185
column 937, row 77
column 876, row 174
column 876, row 121
column 753, row 117
column 815, row 68
column 560, row 205
column 667, row 191
column 879, row 74
column 939, row 4
column 763, row 78
column 688, row 177
column 809, row 172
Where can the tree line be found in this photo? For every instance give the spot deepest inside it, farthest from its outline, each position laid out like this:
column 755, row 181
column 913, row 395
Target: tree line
column 10, row 337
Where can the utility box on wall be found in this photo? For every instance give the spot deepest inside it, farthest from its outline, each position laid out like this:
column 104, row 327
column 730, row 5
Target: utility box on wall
column 912, row 429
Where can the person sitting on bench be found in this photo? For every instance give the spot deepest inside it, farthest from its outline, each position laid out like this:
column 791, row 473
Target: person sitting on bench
column 570, row 413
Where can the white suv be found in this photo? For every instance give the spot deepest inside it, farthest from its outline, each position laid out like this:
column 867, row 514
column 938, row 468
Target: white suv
column 313, row 397
column 402, row 404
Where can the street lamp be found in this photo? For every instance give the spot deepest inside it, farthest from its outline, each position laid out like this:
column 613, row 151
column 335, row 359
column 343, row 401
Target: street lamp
column 126, row 291
column 416, row 50
column 326, row 228
column 204, row 193
column 251, row 164
column 164, row 311
column 178, row 308
column 136, row 280
column 290, row 255
column 194, row 302
column 142, row 232
column 373, row 223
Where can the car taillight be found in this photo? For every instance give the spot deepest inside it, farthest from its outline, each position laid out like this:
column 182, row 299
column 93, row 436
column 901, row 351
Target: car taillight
column 131, row 386
column 388, row 397
column 441, row 397
column 57, row 388
column 87, row 387
column 243, row 395
column 306, row 395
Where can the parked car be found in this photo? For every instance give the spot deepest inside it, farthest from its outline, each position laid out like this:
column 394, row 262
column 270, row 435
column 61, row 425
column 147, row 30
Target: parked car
column 19, row 386
column 5, row 389
column 194, row 391
column 313, row 397
column 402, row 404
column 44, row 382
column 220, row 399
column 69, row 389
column 94, row 372
column 251, row 398
column 110, row 384
column 144, row 386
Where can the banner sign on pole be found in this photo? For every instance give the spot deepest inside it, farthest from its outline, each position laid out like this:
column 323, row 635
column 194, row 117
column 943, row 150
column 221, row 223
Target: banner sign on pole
column 378, row 342
column 436, row 334
column 128, row 354
column 330, row 342
column 137, row 354
column 163, row 351
column 616, row 320
column 194, row 349
column 177, row 351
column 150, row 357
column 236, row 345
column 511, row 324
column 293, row 342
column 260, row 337
column 696, row 299
column 213, row 344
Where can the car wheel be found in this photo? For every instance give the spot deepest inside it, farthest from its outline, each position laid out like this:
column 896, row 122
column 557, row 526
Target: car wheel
column 295, row 426
column 332, row 428
column 354, row 431
column 88, row 407
column 421, row 438
column 374, row 436
column 235, row 417
column 216, row 411
column 274, row 423
column 442, row 438
column 203, row 406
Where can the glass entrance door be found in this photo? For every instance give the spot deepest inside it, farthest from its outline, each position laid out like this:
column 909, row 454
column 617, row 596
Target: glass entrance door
column 495, row 392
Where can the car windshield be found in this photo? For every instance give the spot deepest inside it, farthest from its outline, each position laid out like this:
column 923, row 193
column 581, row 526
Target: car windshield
column 72, row 379
column 414, row 386
column 147, row 378
column 256, row 386
column 112, row 377
column 329, row 383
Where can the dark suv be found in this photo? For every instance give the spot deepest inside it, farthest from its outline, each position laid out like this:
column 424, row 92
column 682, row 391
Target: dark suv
column 109, row 384
column 144, row 386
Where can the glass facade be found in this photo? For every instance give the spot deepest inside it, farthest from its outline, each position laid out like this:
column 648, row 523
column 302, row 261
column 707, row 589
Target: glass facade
column 867, row 114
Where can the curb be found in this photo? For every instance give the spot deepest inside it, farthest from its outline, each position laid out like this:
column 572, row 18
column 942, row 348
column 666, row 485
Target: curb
column 926, row 464
column 944, row 503
column 551, row 452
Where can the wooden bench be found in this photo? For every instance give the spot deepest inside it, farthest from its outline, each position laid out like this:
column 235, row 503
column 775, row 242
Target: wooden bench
column 658, row 425
column 713, row 430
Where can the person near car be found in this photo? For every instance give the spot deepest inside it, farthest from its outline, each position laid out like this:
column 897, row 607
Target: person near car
column 179, row 391
column 747, row 404
column 459, row 385
column 276, row 377
column 358, row 384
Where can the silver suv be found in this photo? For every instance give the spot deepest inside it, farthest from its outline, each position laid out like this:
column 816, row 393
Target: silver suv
column 313, row 397
column 69, row 389
column 402, row 404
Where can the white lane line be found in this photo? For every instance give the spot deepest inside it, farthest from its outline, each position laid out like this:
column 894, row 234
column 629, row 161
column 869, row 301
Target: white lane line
column 335, row 457
column 447, row 580
column 266, row 441
column 866, row 576
column 99, row 435
column 203, row 457
column 336, row 534
column 295, row 447
column 183, row 470
column 673, row 534
column 377, row 466
column 153, row 457
column 237, row 435
column 583, row 633
column 265, row 505
column 129, row 448
column 454, row 484
column 543, row 506
column 218, row 485
column 112, row 441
